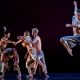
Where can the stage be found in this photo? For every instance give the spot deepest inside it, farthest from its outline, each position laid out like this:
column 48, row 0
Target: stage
column 50, row 18
column 52, row 76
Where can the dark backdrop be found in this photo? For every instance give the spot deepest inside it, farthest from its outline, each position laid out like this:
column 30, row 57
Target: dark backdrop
column 50, row 17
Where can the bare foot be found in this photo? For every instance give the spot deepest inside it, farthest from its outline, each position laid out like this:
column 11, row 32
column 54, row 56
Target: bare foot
column 29, row 76
column 19, row 75
column 70, row 51
column 47, row 76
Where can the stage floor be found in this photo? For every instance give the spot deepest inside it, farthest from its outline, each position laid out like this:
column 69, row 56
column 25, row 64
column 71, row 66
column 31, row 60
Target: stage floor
column 70, row 76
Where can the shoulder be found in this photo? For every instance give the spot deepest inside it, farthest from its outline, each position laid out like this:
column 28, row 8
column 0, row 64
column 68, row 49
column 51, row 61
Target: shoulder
column 38, row 38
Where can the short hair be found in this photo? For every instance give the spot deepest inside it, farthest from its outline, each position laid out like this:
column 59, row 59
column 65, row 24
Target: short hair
column 27, row 33
column 35, row 30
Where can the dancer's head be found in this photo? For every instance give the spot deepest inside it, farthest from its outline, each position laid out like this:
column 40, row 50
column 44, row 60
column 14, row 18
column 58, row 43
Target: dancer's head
column 35, row 31
column 7, row 34
column 26, row 33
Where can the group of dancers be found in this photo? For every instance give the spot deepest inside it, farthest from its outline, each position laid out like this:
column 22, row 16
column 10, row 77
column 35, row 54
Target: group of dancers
column 34, row 55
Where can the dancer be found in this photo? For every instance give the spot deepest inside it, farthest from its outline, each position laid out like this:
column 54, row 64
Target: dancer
column 4, row 63
column 71, row 41
column 11, row 53
column 16, row 62
column 38, row 46
column 31, row 52
column 3, row 44
column 4, row 41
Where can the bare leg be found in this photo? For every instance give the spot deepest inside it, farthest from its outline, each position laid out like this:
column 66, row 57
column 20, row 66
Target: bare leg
column 43, row 60
column 35, row 67
column 29, row 66
column 2, row 69
column 42, row 65
column 6, row 67
column 30, row 72
column 66, row 46
column 1, row 56
column 18, row 70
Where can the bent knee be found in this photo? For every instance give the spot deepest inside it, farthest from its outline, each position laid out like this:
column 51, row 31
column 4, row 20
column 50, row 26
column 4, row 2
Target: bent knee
column 62, row 39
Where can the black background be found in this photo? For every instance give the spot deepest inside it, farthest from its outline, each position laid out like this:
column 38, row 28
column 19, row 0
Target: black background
column 50, row 17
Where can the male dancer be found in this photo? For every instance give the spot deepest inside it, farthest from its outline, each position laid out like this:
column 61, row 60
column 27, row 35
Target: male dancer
column 40, row 55
column 71, row 41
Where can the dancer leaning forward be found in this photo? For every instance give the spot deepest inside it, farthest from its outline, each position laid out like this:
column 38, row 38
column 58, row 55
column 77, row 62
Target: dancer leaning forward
column 33, row 59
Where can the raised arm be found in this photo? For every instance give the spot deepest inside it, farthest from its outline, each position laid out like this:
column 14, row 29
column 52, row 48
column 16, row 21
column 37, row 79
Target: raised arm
column 75, row 8
column 5, row 29
column 74, row 18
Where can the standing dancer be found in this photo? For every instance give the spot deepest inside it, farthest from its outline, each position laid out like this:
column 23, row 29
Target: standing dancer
column 40, row 55
column 31, row 62
column 71, row 41
column 31, row 52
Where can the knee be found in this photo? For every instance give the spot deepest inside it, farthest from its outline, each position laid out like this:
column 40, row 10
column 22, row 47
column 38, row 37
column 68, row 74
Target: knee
column 26, row 65
column 62, row 39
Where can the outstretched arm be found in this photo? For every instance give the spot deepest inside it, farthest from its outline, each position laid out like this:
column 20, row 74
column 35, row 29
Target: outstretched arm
column 71, row 25
column 19, row 41
column 75, row 8
column 9, row 41
column 5, row 29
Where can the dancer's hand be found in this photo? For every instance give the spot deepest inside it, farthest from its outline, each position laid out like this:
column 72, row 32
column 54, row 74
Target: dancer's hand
column 14, row 43
column 4, row 27
column 20, row 37
column 68, row 25
column 75, row 3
